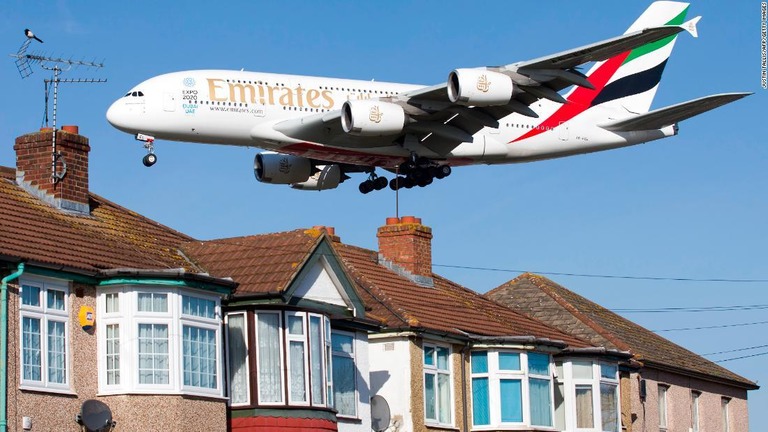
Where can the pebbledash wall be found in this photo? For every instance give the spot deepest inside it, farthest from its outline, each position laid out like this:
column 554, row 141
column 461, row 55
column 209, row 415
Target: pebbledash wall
column 56, row 411
column 679, row 405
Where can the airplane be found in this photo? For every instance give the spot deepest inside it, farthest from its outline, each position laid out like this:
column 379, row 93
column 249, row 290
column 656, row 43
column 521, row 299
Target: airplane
column 317, row 130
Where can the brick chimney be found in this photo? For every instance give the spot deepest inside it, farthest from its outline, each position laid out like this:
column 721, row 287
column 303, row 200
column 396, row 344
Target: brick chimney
column 408, row 244
column 34, row 170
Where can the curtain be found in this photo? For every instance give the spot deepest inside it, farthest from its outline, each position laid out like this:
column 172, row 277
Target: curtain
column 541, row 406
column 113, row 354
column 153, row 354
column 481, row 411
column 55, row 299
column 316, row 355
column 344, row 384
column 31, row 355
column 444, row 397
column 584, row 408
column 199, row 353
column 268, row 335
column 30, row 295
column 238, row 359
column 429, row 396
column 153, row 302
column 608, row 407
column 57, row 367
column 511, row 400
column 298, row 380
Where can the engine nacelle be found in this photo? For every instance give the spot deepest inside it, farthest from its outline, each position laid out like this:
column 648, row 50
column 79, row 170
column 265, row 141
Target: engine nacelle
column 372, row 118
column 277, row 168
column 328, row 177
column 479, row 87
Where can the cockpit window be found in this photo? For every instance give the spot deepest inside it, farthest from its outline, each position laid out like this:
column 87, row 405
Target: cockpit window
column 134, row 94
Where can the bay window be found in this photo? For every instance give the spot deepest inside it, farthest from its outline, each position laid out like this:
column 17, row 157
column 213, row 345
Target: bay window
column 510, row 388
column 44, row 322
column 438, row 406
column 587, row 396
column 159, row 340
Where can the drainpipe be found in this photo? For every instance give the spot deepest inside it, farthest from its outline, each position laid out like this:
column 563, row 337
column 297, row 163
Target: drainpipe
column 4, row 345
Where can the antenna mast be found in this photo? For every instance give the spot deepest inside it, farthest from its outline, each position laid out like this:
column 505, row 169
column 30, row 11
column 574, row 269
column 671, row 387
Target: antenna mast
column 57, row 65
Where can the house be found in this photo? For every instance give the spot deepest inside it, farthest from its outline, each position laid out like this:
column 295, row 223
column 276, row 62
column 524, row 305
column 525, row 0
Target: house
column 664, row 387
column 65, row 253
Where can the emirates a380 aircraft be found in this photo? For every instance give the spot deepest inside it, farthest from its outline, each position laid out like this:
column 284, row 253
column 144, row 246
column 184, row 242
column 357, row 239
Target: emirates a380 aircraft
column 317, row 130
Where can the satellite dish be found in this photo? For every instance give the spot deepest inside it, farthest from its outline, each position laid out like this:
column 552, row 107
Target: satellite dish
column 380, row 416
column 95, row 416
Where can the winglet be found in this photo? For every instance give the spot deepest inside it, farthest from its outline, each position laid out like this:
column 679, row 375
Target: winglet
column 690, row 26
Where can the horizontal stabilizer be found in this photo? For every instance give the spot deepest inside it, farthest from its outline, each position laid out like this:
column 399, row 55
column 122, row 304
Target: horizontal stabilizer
column 670, row 115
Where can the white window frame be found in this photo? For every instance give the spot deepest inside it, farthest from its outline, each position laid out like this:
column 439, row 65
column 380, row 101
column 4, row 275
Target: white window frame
column 352, row 356
column 570, row 383
column 128, row 317
column 695, row 411
column 303, row 338
column 495, row 375
column 45, row 314
column 282, row 359
column 324, row 362
column 434, row 370
column 663, row 393
column 246, row 342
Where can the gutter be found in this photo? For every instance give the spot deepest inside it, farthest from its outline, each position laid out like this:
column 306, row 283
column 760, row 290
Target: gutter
column 4, row 345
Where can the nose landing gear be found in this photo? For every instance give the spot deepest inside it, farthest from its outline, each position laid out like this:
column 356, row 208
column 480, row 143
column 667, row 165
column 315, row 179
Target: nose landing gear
column 149, row 144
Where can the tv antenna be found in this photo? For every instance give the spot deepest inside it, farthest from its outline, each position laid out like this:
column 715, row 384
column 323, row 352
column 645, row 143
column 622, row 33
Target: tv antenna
column 57, row 65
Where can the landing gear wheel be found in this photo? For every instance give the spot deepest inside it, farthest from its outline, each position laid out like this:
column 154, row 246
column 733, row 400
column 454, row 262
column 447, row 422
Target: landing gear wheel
column 149, row 160
column 366, row 187
column 380, row 183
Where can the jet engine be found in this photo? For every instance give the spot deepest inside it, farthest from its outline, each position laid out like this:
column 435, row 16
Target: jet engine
column 277, row 168
column 372, row 118
column 479, row 87
column 327, row 177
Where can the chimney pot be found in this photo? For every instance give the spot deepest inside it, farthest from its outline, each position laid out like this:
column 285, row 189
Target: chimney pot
column 393, row 221
column 71, row 129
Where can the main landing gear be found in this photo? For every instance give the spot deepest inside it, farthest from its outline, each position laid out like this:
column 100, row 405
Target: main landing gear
column 420, row 172
column 149, row 144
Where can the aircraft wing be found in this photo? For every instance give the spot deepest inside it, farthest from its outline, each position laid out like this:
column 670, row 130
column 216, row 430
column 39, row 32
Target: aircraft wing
column 441, row 125
column 672, row 114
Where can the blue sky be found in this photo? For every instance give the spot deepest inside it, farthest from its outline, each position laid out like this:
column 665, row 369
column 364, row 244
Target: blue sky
column 691, row 206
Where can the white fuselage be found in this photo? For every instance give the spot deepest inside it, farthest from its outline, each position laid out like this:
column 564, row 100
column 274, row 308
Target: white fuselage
column 240, row 108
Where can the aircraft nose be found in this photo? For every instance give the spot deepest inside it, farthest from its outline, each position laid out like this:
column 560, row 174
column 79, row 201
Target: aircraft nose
column 113, row 113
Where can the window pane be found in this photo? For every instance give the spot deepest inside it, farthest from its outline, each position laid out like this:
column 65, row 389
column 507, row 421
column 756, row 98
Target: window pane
column 444, row 397
column 199, row 307
column 608, row 407
column 113, row 302
column 584, row 408
column 238, row 359
column 538, row 364
column 608, row 371
column 509, row 361
column 295, row 325
column 153, row 354
column 582, row 370
column 541, row 406
column 30, row 295
column 429, row 355
column 481, row 411
column 344, row 385
column 511, row 400
column 270, row 385
column 724, row 402
column 662, row 406
column 442, row 358
column 57, row 367
column 113, row 354
column 316, row 359
column 298, row 380
column 479, row 362
column 199, row 352
column 153, row 302
column 55, row 299
column 430, row 408
column 343, row 343
column 31, row 349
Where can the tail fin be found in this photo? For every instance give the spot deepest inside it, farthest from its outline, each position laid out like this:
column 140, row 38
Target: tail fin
column 629, row 80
